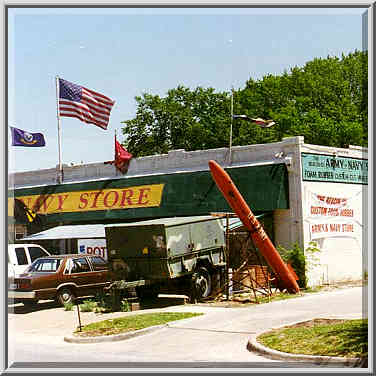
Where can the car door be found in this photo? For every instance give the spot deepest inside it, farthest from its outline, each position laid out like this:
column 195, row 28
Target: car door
column 20, row 260
column 100, row 271
column 80, row 273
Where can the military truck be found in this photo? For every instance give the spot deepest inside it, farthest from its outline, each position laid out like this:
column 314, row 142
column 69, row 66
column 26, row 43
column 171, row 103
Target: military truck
column 168, row 254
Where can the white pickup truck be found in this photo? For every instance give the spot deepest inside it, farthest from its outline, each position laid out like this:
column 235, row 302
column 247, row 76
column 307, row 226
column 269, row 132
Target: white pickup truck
column 20, row 256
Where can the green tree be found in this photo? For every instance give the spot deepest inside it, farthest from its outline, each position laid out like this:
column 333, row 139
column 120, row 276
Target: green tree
column 185, row 119
column 325, row 101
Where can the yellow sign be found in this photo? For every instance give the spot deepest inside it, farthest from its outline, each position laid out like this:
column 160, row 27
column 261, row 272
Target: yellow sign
column 10, row 207
column 142, row 196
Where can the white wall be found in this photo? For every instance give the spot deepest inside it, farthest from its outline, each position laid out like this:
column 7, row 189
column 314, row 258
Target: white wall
column 288, row 224
column 333, row 219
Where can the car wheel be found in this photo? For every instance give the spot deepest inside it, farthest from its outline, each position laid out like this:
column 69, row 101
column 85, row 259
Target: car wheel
column 65, row 295
column 202, row 283
column 29, row 302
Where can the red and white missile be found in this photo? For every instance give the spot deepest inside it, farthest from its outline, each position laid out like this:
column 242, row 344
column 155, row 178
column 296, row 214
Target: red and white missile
column 258, row 234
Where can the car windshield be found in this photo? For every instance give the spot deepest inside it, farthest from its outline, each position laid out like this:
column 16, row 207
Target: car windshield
column 45, row 265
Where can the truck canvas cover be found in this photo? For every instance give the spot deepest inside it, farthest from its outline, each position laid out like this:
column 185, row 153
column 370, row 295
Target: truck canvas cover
column 166, row 247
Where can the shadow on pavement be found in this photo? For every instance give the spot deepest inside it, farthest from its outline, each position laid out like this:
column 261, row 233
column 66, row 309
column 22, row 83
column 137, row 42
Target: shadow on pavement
column 19, row 308
column 147, row 303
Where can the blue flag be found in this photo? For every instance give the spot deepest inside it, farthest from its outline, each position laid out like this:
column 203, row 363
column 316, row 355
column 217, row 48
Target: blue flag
column 24, row 138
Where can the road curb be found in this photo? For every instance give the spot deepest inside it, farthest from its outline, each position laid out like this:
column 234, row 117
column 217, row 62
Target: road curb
column 113, row 338
column 257, row 347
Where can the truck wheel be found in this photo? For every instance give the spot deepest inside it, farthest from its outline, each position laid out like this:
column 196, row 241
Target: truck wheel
column 65, row 295
column 202, row 283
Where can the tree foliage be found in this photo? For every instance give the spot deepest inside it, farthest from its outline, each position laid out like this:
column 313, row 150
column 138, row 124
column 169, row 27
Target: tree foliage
column 325, row 101
column 185, row 119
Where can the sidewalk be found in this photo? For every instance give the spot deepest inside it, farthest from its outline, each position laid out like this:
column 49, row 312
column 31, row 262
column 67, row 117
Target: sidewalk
column 223, row 333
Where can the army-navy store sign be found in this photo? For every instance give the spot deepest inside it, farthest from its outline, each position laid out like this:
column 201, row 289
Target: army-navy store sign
column 330, row 168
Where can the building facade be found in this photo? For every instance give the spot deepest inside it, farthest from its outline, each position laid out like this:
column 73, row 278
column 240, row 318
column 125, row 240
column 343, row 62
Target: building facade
column 315, row 195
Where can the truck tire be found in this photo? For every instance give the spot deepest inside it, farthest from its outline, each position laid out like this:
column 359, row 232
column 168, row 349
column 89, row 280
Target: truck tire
column 202, row 283
column 65, row 295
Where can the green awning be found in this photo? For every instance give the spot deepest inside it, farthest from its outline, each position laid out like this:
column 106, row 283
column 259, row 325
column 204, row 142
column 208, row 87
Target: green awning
column 264, row 188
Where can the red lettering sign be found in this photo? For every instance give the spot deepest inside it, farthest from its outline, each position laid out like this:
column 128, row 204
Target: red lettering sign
column 115, row 199
column 61, row 198
column 96, row 195
column 83, row 199
column 143, row 195
column 126, row 196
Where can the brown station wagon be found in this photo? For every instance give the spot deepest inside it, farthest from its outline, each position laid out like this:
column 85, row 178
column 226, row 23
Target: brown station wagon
column 62, row 278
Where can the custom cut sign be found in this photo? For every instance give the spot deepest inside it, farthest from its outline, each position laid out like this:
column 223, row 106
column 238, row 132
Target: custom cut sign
column 332, row 215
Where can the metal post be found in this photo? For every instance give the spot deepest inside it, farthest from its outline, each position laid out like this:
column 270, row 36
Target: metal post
column 227, row 257
column 232, row 116
column 60, row 174
column 79, row 317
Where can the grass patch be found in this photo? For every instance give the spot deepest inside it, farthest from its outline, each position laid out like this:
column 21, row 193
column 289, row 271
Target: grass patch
column 133, row 322
column 343, row 338
column 275, row 297
column 312, row 289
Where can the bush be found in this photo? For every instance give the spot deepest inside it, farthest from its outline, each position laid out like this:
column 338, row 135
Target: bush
column 68, row 306
column 124, row 306
column 88, row 306
column 365, row 276
column 300, row 260
column 104, row 302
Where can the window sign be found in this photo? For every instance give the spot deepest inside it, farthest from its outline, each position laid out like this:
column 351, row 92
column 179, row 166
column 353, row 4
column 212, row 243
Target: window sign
column 93, row 247
column 329, row 168
column 333, row 215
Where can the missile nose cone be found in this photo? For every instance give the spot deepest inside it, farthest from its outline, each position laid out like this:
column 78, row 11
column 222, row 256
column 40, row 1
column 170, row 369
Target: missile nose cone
column 215, row 169
column 212, row 163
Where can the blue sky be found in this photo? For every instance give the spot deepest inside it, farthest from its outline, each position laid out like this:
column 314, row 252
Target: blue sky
column 124, row 52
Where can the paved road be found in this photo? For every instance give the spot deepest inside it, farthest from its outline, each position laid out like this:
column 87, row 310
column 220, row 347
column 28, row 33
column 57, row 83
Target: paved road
column 216, row 339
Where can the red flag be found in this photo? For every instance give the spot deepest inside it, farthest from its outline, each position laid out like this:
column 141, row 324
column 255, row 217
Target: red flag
column 122, row 157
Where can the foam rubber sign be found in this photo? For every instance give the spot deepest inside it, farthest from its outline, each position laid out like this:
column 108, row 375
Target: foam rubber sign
column 333, row 214
column 96, row 247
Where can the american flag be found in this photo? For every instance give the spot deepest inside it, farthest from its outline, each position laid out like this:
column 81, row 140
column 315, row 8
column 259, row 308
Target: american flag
column 84, row 104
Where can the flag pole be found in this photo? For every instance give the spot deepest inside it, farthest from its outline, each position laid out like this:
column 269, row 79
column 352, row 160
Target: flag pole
column 115, row 147
column 232, row 116
column 116, row 170
column 60, row 173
